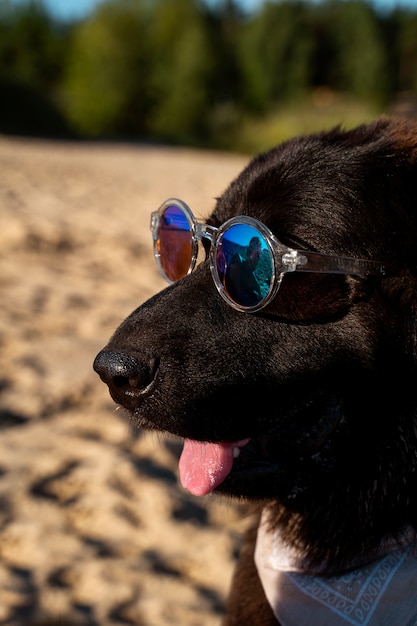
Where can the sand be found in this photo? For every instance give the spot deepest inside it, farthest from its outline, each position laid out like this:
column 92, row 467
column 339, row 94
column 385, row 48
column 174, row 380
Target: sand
column 95, row 528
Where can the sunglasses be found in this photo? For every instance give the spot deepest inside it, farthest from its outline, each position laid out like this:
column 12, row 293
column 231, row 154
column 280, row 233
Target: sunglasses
column 247, row 261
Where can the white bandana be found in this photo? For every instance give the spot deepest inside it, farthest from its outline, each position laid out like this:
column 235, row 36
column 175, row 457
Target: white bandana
column 380, row 593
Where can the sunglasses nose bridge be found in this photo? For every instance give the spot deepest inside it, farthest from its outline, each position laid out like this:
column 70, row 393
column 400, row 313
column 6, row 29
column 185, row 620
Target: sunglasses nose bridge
column 207, row 231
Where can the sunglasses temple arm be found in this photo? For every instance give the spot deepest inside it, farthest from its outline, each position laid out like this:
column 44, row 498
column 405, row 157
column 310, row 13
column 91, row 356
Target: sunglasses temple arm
column 295, row 260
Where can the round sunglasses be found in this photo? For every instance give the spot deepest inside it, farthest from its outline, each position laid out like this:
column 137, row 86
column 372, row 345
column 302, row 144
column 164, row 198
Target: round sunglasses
column 247, row 261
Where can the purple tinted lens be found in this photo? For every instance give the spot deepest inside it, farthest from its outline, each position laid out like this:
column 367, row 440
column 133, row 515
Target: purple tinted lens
column 174, row 243
column 244, row 265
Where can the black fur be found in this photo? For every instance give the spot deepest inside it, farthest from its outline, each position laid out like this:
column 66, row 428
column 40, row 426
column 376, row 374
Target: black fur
column 323, row 380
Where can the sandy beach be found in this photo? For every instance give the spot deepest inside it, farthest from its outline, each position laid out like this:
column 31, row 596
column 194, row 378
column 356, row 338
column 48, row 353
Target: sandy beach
column 95, row 528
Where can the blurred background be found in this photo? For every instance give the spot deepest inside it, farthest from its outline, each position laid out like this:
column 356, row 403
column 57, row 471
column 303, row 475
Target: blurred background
column 107, row 109
column 233, row 75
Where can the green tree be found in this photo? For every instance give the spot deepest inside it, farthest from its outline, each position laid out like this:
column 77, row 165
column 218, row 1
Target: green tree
column 275, row 52
column 226, row 84
column 32, row 58
column 407, row 52
column 107, row 82
column 32, row 47
column 360, row 61
column 182, row 68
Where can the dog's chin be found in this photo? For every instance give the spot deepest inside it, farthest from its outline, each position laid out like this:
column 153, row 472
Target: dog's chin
column 255, row 476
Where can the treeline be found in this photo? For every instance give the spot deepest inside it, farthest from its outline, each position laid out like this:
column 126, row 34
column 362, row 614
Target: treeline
column 185, row 73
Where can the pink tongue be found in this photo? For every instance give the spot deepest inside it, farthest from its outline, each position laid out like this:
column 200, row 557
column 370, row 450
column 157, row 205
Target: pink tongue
column 205, row 465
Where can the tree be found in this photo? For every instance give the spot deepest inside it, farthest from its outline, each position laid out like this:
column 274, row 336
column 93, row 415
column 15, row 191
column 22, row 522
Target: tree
column 359, row 63
column 107, row 83
column 407, row 52
column 32, row 47
column 182, row 68
column 275, row 52
column 32, row 58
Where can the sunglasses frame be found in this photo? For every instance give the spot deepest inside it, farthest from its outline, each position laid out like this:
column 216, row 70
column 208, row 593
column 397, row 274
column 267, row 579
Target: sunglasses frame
column 284, row 258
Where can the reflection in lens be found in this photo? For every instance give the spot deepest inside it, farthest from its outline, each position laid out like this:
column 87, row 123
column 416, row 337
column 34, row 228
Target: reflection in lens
column 174, row 243
column 244, row 265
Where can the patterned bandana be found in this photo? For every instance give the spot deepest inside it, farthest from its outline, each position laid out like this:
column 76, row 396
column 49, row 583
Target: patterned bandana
column 380, row 593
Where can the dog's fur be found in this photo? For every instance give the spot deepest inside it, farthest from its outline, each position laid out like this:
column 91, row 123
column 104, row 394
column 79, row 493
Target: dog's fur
column 323, row 380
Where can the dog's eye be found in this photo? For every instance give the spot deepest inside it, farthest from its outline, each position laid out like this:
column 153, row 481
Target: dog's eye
column 311, row 298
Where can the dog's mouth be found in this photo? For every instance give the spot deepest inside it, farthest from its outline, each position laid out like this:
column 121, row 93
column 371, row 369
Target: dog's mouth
column 204, row 466
column 274, row 458
column 262, row 463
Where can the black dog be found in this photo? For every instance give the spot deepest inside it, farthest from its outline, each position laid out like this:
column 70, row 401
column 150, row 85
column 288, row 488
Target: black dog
column 303, row 398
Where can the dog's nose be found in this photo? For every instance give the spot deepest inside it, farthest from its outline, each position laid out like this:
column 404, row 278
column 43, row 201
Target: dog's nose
column 127, row 375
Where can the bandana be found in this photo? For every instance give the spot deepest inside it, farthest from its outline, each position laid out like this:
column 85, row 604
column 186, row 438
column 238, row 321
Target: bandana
column 380, row 593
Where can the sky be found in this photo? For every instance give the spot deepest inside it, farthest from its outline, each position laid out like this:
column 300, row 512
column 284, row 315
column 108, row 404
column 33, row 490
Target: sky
column 74, row 9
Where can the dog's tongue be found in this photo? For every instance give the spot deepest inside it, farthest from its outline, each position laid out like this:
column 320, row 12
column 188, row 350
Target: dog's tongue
column 203, row 466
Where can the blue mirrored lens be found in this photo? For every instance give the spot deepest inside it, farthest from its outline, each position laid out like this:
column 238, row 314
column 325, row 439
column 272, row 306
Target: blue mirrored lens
column 174, row 243
column 244, row 265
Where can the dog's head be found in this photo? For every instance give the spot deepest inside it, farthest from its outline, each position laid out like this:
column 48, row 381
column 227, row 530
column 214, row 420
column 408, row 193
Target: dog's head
column 309, row 402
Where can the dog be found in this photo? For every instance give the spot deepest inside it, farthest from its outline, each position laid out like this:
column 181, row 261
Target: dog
column 295, row 388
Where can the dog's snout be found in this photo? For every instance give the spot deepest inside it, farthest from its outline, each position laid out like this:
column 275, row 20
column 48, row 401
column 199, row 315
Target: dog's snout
column 127, row 375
